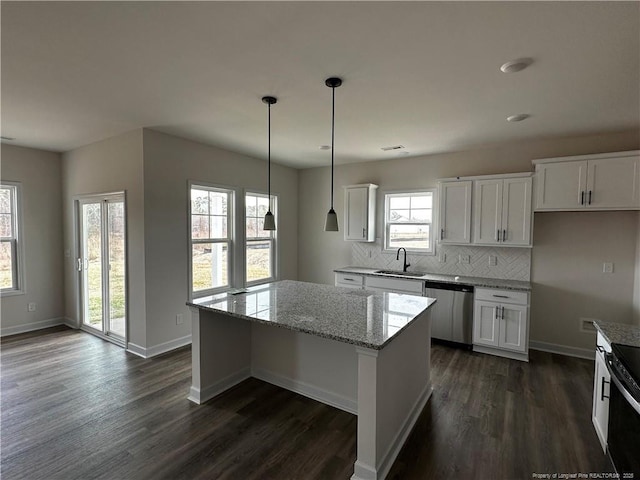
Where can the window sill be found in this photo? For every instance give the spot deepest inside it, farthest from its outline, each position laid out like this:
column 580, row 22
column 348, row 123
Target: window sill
column 410, row 252
column 11, row 293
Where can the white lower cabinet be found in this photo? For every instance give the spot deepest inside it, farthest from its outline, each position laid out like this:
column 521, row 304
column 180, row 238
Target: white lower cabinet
column 601, row 389
column 396, row 285
column 501, row 323
column 349, row 280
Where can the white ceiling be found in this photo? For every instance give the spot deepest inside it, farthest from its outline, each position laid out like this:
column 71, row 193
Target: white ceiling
column 421, row 74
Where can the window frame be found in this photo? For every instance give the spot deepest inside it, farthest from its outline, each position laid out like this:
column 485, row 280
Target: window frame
column 272, row 239
column 230, row 240
column 16, row 240
column 432, row 225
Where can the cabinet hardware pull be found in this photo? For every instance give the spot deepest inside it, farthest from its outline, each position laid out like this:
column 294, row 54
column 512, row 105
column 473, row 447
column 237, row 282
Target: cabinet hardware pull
column 590, row 192
column 349, row 279
column 442, row 234
column 504, row 235
column 582, row 198
column 497, row 315
column 498, row 235
column 602, row 395
column 502, row 313
column 500, row 296
column 363, row 235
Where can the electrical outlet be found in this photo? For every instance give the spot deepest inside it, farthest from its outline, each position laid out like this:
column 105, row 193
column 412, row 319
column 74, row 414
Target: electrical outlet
column 586, row 325
column 493, row 260
column 442, row 258
column 179, row 319
column 464, row 259
column 607, row 267
column 31, row 307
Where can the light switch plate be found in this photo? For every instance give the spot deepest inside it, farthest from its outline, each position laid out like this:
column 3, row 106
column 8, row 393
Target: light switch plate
column 442, row 258
column 607, row 267
column 31, row 307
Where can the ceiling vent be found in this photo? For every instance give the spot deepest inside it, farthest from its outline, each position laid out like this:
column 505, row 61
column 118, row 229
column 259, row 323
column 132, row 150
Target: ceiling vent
column 395, row 147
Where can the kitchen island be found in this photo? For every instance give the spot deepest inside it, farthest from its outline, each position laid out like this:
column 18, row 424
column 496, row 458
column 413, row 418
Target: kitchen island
column 365, row 352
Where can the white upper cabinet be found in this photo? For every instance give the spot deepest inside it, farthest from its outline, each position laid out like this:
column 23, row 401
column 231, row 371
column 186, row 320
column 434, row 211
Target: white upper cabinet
column 359, row 212
column 502, row 211
column 589, row 182
column 455, row 212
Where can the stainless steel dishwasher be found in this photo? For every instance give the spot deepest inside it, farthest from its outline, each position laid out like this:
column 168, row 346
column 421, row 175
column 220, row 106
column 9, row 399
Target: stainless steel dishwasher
column 452, row 314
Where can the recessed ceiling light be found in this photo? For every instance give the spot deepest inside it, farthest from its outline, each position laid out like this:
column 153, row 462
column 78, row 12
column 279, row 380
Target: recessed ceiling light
column 517, row 65
column 394, row 147
column 325, row 147
column 517, row 118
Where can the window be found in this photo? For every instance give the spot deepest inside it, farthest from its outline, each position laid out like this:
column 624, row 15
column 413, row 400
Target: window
column 260, row 244
column 408, row 221
column 211, row 238
column 10, row 261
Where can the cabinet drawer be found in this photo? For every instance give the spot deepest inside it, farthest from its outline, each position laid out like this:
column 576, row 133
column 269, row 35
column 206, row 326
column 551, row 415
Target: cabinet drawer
column 396, row 284
column 502, row 296
column 349, row 279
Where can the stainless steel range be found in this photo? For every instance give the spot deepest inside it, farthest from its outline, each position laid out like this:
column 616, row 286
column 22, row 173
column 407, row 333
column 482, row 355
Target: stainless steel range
column 623, row 446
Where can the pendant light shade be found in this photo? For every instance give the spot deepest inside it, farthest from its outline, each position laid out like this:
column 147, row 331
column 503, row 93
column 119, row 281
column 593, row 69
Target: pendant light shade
column 331, row 223
column 269, row 219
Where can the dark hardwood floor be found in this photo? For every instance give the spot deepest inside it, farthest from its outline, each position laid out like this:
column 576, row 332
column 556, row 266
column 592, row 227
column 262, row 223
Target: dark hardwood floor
column 76, row 407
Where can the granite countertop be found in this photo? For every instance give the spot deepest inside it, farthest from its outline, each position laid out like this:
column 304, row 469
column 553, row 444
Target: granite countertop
column 619, row 333
column 474, row 281
column 360, row 317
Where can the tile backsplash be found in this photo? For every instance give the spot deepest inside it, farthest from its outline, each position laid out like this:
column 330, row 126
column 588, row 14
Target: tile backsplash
column 511, row 263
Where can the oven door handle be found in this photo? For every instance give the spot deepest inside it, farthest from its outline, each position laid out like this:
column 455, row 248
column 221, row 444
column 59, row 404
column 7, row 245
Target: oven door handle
column 625, row 393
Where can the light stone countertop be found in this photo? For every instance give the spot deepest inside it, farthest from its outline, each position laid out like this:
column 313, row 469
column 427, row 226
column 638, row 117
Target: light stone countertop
column 474, row 281
column 619, row 333
column 360, row 317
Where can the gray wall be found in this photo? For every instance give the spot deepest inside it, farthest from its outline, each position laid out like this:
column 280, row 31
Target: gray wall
column 112, row 165
column 39, row 172
column 320, row 252
column 169, row 163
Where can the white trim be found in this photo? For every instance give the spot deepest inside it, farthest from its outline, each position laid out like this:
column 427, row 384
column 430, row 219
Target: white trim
column 17, row 227
column 499, row 352
column 563, row 350
column 349, row 405
column 159, row 349
column 575, row 158
column 200, row 396
column 404, row 432
column 30, row 327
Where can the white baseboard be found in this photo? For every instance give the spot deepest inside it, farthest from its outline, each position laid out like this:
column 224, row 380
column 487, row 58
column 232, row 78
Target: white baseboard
column 30, row 327
column 589, row 354
column 498, row 352
column 404, row 432
column 200, row 396
column 329, row 398
column 158, row 349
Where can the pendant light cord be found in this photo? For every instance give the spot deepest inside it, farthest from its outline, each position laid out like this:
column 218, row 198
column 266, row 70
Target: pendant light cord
column 269, row 157
column 333, row 119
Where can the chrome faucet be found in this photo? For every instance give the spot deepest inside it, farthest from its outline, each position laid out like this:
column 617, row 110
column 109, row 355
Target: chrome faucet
column 405, row 265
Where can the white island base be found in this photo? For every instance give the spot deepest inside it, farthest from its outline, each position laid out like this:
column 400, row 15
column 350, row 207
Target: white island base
column 386, row 388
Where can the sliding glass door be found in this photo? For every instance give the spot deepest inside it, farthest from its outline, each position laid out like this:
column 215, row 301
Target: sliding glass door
column 102, row 264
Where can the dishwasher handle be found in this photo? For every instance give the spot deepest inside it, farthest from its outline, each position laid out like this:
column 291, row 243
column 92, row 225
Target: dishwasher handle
column 455, row 287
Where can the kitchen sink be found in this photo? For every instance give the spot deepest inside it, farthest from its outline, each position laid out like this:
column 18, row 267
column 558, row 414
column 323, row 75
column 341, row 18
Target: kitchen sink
column 399, row 272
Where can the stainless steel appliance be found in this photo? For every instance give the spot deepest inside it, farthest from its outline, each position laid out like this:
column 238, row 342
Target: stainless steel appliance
column 623, row 442
column 452, row 314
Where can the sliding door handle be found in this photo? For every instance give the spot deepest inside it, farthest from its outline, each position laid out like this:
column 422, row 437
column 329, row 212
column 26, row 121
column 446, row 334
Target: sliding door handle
column 79, row 265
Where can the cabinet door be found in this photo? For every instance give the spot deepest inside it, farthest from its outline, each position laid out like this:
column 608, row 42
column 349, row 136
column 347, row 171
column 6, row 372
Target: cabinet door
column 600, row 411
column 356, row 213
column 485, row 324
column 516, row 211
column 560, row 186
column 613, row 183
column 487, row 212
column 513, row 327
column 455, row 212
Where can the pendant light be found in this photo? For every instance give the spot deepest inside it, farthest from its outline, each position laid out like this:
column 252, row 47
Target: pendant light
column 269, row 219
column 331, row 224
